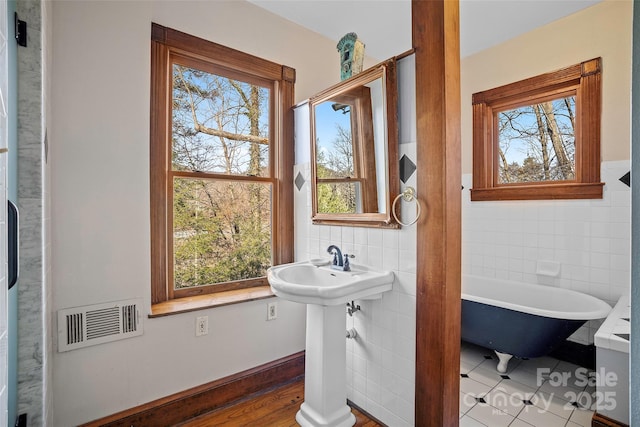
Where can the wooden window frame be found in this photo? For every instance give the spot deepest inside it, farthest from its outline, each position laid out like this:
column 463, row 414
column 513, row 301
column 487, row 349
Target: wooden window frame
column 585, row 80
column 165, row 43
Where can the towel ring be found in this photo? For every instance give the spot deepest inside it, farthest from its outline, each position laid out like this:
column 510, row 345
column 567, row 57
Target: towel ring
column 409, row 195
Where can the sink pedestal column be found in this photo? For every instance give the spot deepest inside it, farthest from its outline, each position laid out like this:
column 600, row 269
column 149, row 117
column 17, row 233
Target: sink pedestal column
column 325, row 384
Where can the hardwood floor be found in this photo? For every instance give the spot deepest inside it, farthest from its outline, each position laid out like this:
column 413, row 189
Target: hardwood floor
column 274, row 408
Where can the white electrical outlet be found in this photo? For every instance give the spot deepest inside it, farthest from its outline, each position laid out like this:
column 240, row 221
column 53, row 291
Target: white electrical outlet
column 272, row 311
column 202, row 325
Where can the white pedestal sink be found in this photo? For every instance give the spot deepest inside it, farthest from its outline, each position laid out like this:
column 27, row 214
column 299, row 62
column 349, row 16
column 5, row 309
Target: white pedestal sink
column 326, row 291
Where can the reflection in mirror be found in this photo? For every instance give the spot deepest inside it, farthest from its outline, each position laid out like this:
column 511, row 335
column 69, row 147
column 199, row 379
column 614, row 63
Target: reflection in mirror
column 354, row 141
column 345, row 151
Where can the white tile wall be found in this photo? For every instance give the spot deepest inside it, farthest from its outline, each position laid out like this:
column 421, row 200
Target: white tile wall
column 590, row 239
column 381, row 360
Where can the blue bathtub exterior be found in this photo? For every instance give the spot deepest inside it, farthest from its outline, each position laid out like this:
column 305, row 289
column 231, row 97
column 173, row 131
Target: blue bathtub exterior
column 513, row 332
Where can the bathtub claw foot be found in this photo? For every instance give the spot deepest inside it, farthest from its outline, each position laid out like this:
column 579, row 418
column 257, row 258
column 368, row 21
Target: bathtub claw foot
column 503, row 361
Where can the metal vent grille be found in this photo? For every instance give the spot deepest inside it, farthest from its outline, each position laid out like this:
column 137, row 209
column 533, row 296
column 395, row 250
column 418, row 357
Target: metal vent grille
column 75, row 328
column 129, row 314
column 99, row 323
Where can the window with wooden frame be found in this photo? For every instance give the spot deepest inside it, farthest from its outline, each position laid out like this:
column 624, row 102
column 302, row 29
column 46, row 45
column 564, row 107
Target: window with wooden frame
column 539, row 138
column 221, row 167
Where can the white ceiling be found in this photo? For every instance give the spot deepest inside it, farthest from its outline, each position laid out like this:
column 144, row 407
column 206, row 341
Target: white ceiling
column 384, row 26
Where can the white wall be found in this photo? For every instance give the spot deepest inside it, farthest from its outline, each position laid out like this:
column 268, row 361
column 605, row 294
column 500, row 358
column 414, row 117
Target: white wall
column 381, row 361
column 589, row 238
column 99, row 155
column 602, row 30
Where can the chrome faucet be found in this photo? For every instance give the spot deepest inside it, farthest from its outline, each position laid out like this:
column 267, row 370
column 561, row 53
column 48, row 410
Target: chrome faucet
column 339, row 262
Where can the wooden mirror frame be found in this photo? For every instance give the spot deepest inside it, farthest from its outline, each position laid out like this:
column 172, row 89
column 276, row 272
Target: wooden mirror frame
column 345, row 89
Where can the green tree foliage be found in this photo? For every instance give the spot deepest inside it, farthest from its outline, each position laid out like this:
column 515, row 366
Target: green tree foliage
column 221, row 225
column 338, row 196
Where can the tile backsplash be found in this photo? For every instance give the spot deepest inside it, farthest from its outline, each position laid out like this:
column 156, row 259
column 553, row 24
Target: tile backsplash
column 381, row 360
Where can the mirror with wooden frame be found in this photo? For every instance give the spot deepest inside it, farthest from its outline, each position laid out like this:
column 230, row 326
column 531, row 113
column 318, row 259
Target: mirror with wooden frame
column 354, row 149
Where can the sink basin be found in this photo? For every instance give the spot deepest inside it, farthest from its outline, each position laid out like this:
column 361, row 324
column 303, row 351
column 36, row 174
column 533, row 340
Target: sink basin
column 325, row 291
column 306, row 283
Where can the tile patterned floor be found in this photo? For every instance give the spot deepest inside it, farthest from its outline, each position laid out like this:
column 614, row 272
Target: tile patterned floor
column 542, row 392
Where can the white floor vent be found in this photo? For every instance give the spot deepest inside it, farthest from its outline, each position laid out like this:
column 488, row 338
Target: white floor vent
column 99, row 323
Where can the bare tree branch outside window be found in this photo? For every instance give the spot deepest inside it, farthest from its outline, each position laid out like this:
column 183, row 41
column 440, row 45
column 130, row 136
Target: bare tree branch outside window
column 537, row 142
column 222, row 226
